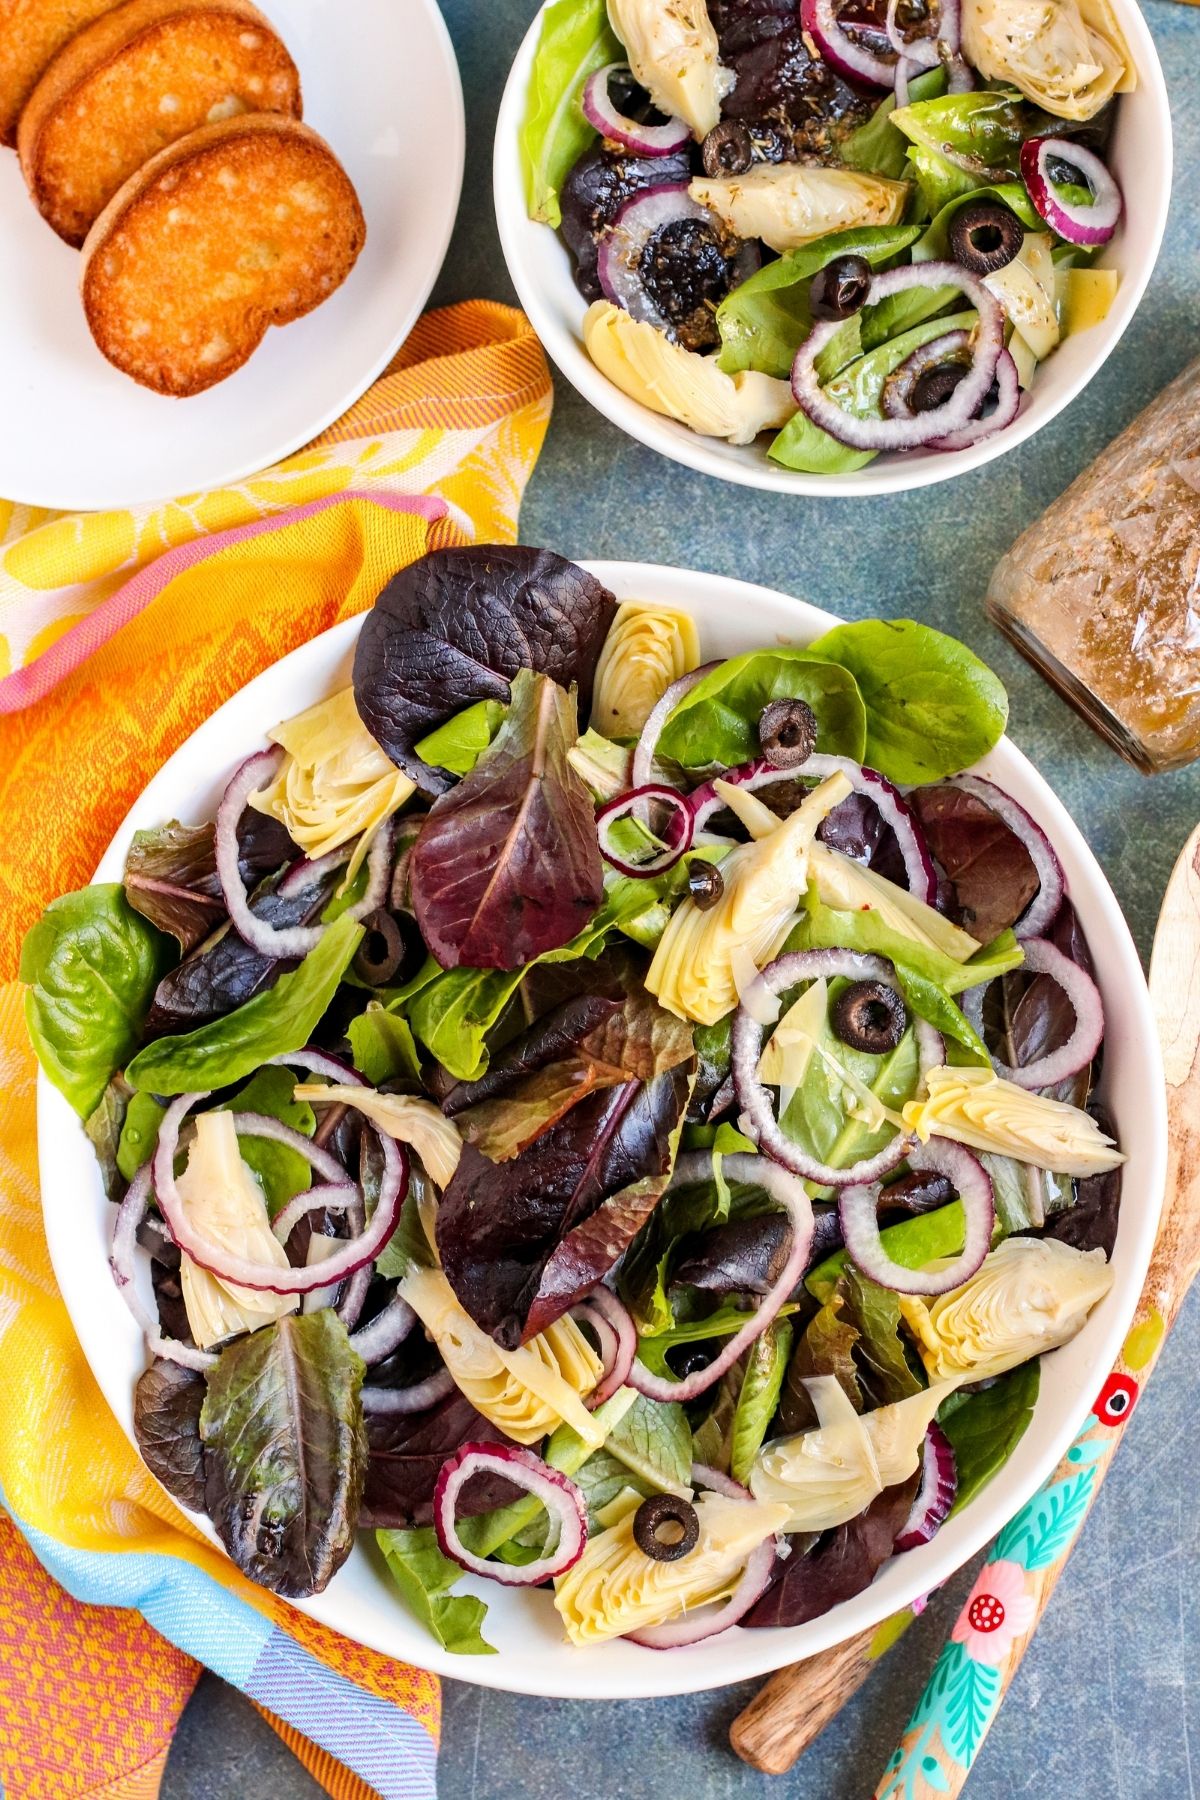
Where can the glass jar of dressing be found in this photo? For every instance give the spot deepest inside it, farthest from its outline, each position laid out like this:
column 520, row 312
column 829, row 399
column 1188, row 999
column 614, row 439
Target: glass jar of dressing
column 1102, row 593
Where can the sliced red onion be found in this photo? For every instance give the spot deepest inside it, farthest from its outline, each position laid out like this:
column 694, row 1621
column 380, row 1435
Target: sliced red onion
column 705, row 1477
column 330, row 1197
column 647, row 140
column 262, row 1125
column 921, row 52
column 387, row 1329
column 642, row 770
column 291, row 940
column 417, row 1398
column 352, row 1301
column 318, row 1062
column 898, row 389
column 1092, row 224
column 1042, row 910
column 758, row 1112
column 954, row 412
column 353, row 1253
column 1044, row 958
column 931, row 1046
column 896, row 398
column 307, row 874
column 820, row 20
column 788, row 1193
column 858, row 1209
column 693, row 1627
column 1008, row 405
column 619, row 262
column 888, row 801
column 614, row 1326
column 556, row 1491
column 678, row 838
column 935, row 1493
column 905, row 70
column 130, row 1215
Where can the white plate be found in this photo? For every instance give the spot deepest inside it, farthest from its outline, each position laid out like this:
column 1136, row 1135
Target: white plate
column 381, row 84
column 533, row 1655
column 541, row 272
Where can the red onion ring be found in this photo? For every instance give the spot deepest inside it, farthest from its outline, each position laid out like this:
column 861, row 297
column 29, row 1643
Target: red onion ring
column 305, row 874
column 647, row 140
column 858, row 1212
column 1044, row 958
column 1008, row 405
column 557, row 1493
column 757, row 1108
column 1042, row 910
column 614, row 1326
column 290, row 940
column 388, row 1328
column 619, row 259
column 332, row 1197
column 897, row 390
column 904, row 72
column 317, row 1062
column 681, row 829
column 1092, row 224
column 642, row 771
column 694, row 1627
column 919, row 431
column 819, row 19
column 705, row 1477
column 130, row 1215
column 923, row 51
column 354, row 1253
column 788, row 1193
column 888, row 801
column 935, row 1492
column 418, row 1398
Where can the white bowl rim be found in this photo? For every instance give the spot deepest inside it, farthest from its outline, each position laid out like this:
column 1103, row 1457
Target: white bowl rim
column 358, row 1602
column 711, row 456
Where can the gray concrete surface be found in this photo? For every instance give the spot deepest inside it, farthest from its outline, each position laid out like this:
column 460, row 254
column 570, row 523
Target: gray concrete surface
column 1107, row 1703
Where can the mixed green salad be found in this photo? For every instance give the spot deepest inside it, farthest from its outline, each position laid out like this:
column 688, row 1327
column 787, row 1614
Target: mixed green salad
column 859, row 225
column 647, row 1155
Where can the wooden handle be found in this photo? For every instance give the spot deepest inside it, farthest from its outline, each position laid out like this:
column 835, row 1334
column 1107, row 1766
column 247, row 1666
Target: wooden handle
column 796, row 1704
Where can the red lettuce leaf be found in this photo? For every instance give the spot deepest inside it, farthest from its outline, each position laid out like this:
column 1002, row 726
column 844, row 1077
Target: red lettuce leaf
column 550, row 1039
column 840, row 1564
column 171, row 872
column 457, row 626
column 1091, row 1224
column 993, row 876
column 166, row 1421
column 520, row 1240
column 507, row 866
column 745, row 1256
column 406, row 1453
column 825, row 1347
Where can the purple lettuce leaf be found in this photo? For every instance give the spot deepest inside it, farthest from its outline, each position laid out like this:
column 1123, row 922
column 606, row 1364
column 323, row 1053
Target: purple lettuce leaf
column 166, row 1421
column 993, row 876
column 405, row 1456
column 457, row 626
column 839, row 1565
column 744, row 1256
column 507, row 865
column 171, row 872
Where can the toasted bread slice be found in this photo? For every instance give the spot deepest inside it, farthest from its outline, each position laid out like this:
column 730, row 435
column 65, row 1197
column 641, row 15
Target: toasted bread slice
column 31, row 32
column 244, row 224
column 133, row 82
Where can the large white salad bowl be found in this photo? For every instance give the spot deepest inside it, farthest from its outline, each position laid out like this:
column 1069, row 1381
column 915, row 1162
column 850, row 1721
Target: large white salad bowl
column 1140, row 158
column 533, row 1656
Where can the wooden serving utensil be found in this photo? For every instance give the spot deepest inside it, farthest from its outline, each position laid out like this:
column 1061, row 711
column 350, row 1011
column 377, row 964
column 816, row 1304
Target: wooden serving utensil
column 989, row 1638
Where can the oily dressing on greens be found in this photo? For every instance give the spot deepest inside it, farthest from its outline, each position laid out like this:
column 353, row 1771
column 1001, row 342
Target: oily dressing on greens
column 860, row 228
column 599, row 1118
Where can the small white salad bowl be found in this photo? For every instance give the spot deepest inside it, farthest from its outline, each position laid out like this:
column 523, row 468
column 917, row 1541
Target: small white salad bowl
column 538, row 262
column 533, row 1656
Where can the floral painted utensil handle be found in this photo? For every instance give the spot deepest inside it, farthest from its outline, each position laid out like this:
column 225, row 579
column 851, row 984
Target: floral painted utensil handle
column 1001, row 1613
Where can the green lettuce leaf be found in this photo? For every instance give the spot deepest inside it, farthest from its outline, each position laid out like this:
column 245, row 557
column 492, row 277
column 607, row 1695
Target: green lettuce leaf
column 104, row 1126
column 932, row 706
column 381, row 1044
column 766, row 1366
column 576, row 39
column 912, row 1243
column 92, row 964
column 825, row 1347
column 461, row 741
column 828, row 927
column 987, row 125
column 280, row 1171
column 139, row 1133
column 877, row 147
column 884, row 1368
column 985, row 1428
column 424, row 1577
column 934, row 242
column 716, row 724
column 765, row 319
column 275, row 1022
column 654, row 1440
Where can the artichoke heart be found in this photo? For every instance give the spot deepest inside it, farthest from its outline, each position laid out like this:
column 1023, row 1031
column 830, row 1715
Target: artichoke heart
column 829, row 1474
column 848, row 886
column 673, row 52
column 222, row 1201
column 615, row 1587
column 335, row 783
column 1068, row 56
column 1027, row 290
column 1029, row 1295
column 647, row 648
column 680, row 383
column 418, row 1123
column 526, row 1392
column 789, row 1049
column 693, row 971
column 788, row 205
column 980, row 1109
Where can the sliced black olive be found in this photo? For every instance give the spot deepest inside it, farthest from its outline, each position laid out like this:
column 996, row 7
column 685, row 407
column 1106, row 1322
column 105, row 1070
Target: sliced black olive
column 840, row 288
column 787, row 733
column 985, row 237
column 382, row 949
column 921, row 1191
column 728, row 149
column 666, row 1527
column 705, row 885
column 870, row 1016
column 934, row 386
